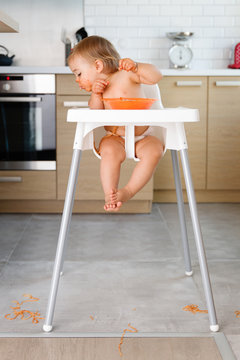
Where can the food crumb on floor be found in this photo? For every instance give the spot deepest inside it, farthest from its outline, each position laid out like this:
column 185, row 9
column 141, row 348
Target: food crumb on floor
column 237, row 313
column 25, row 314
column 134, row 330
column 194, row 309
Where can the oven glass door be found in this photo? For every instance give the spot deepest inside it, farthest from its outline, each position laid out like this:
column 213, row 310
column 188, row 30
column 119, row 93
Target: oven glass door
column 27, row 132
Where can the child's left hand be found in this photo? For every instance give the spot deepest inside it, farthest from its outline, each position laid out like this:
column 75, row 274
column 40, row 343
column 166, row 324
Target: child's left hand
column 128, row 65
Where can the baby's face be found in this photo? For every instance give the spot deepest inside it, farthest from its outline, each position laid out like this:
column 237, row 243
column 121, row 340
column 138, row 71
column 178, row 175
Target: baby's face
column 84, row 71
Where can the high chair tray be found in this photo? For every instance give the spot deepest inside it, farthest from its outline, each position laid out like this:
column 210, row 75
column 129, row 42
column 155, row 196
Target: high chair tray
column 136, row 117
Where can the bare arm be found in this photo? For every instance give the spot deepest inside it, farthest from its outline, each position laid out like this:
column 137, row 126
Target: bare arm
column 148, row 74
column 95, row 101
column 141, row 72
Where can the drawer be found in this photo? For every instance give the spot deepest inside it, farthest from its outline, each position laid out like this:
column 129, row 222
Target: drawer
column 66, row 85
column 25, row 185
column 223, row 171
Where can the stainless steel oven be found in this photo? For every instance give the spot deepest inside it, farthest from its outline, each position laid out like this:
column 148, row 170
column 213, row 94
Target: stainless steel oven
column 27, row 122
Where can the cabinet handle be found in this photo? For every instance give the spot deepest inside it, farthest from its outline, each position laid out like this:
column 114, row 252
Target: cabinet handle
column 20, row 99
column 189, row 83
column 4, row 179
column 75, row 103
column 227, row 83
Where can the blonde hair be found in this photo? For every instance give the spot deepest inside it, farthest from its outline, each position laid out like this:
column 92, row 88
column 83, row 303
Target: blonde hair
column 96, row 47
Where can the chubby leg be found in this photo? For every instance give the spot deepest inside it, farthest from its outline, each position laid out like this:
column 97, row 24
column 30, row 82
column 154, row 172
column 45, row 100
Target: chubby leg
column 149, row 150
column 112, row 153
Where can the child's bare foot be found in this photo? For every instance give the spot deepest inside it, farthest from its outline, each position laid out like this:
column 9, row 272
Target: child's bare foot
column 123, row 195
column 110, row 200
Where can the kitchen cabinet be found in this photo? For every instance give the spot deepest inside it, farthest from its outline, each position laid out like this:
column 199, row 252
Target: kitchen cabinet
column 89, row 186
column 189, row 92
column 223, row 166
column 26, row 185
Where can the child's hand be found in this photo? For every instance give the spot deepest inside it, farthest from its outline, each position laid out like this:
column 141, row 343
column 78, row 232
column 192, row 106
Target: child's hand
column 99, row 86
column 128, row 65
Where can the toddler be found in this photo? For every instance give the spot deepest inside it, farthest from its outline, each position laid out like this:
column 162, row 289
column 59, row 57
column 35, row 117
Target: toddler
column 100, row 70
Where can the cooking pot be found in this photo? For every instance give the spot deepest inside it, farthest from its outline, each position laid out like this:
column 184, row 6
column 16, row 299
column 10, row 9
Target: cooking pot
column 5, row 60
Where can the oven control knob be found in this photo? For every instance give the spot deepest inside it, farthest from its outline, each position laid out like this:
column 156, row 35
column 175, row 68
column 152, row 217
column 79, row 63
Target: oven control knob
column 6, row 87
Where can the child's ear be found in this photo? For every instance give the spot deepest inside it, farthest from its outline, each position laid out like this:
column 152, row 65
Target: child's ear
column 99, row 65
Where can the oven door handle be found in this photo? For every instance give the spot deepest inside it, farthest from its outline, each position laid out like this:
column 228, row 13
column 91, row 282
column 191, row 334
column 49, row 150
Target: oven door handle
column 20, row 99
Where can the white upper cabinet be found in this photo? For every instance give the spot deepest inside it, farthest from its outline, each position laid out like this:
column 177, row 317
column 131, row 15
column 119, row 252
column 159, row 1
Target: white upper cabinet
column 7, row 24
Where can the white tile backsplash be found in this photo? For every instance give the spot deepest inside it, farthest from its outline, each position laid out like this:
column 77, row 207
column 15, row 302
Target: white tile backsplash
column 215, row 23
column 233, row 32
column 160, row 21
column 106, row 10
column 224, row 21
column 148, row 10
column 192, row 10
column 127, row 10
column 117, row 21
column 138, row 21
column 169, row 10
column 214, row 10
column 232, row 10
column 180, row 21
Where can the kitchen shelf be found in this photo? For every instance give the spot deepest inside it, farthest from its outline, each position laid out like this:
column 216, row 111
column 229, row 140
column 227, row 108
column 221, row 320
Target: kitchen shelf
column 7, row 24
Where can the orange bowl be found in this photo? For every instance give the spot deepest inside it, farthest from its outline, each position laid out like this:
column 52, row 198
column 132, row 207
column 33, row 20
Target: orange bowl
column 129, row 103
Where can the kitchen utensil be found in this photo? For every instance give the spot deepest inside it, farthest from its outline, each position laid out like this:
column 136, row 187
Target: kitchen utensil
column 129, row 103
column 5, row 60
column 184, row 35
column 180, row 53
column 180, row 56
column 81, row 34
column 63, row 35
column 236, row 64
column 68, row 48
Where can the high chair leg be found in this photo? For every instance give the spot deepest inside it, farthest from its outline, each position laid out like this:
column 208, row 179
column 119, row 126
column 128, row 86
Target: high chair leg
column 66, row 218
column 181, row 212
column 199, row 241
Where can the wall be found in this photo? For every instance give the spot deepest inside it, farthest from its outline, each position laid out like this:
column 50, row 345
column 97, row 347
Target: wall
column 42, row 23
column 138, row 27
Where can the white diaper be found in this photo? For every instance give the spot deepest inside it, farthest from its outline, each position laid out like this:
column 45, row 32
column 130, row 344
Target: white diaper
column 149, row 131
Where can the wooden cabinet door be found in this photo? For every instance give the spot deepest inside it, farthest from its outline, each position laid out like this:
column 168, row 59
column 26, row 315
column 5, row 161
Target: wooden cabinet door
column 67, row 85
column 89, row 186
column 65, row 137
column 223, row 171
column 27, row 185
column 188, row 92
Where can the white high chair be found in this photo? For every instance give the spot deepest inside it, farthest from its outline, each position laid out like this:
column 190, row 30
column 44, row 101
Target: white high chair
column 169, row 127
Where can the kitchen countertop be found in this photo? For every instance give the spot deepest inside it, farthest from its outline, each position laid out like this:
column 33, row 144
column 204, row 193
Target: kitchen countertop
column 165, row 72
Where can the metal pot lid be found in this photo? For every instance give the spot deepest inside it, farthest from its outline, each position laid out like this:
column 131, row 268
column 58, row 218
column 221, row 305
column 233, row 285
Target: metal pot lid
column 183, row 35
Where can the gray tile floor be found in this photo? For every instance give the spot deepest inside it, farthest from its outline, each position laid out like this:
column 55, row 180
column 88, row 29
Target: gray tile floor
column 122, row 268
